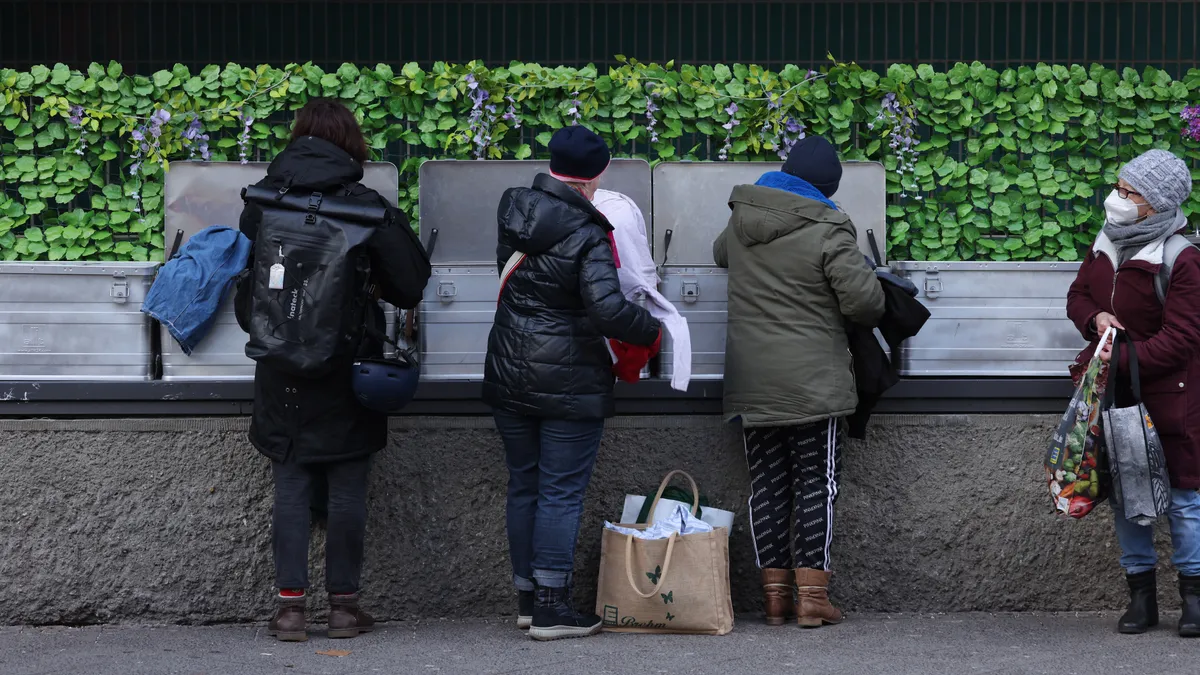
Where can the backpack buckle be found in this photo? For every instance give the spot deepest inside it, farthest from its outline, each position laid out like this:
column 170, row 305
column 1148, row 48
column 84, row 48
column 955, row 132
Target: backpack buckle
column 314, row 205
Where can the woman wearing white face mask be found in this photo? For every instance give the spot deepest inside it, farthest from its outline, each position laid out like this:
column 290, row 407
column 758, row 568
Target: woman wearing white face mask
column 1116, row 288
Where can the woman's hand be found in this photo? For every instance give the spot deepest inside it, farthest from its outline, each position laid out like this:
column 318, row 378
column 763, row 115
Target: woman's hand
column 1104, row 321
column 1106, row 352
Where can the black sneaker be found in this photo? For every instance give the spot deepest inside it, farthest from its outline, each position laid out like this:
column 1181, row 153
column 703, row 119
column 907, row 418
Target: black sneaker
column 524, row 609
column 554, row 618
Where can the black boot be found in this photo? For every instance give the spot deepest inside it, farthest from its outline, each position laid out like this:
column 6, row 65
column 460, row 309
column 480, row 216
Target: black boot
column 554, row 617
column 1143, row 604
column 1189, row 590
column 525, row 604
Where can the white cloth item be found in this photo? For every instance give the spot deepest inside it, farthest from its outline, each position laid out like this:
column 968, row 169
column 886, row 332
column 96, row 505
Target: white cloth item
column 639, row 275
column 634, row 503
column 681, row 522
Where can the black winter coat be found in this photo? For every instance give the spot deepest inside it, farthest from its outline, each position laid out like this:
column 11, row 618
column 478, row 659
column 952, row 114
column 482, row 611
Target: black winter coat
column 318, row 420
column 874, row 374
column 547, row 355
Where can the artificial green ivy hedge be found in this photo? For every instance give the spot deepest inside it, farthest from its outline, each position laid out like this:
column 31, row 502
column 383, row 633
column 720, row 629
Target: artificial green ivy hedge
column 982, row 165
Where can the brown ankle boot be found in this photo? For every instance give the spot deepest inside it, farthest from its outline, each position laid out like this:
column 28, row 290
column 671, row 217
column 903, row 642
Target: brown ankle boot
column 290, row 623
column 813, row 609
column 346, row 620
column 779, row 602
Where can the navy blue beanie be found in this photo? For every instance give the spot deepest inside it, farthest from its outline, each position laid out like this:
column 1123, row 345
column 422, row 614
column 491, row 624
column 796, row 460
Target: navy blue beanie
column 577, row 154
column 813, row 159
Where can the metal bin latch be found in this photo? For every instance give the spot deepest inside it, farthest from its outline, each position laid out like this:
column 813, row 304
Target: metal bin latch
column 446, row 290
column 690, row 290
column 933, row 283
column 119, row 291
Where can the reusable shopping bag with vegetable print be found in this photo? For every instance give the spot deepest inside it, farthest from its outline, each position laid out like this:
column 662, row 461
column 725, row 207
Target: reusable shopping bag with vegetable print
column 1076, row 469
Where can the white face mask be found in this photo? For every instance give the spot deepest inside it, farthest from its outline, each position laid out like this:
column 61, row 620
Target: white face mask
column 1120, row 211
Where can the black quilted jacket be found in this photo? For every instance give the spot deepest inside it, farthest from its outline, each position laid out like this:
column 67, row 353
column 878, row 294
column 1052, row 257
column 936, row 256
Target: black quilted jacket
column 546, row 352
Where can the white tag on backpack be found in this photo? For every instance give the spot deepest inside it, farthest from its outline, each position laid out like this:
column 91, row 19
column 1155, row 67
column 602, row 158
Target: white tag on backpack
column 275, row 282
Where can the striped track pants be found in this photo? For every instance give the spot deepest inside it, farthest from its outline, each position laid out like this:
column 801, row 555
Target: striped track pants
column 793, row 486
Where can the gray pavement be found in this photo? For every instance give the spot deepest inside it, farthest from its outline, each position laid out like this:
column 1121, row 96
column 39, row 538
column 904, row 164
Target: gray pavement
column 1058, row 644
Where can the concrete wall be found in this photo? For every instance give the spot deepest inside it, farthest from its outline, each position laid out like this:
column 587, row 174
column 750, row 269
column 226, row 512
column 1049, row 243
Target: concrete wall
column 169, row 520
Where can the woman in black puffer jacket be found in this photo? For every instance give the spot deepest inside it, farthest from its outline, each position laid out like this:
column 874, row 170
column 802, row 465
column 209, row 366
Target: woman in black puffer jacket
column 549, row 373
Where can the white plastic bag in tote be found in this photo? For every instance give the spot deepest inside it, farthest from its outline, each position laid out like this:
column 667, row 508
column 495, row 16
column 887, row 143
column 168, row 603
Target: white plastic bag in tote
column 663, row 508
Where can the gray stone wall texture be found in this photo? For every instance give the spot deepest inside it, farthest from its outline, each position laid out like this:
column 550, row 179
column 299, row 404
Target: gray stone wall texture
column 168, row 520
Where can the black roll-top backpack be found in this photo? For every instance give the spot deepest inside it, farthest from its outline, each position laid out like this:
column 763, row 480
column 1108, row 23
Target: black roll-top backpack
column 310, row 280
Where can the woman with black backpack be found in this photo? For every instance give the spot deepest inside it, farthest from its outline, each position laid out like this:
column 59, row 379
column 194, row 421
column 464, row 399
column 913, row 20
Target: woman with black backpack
column 314, row 430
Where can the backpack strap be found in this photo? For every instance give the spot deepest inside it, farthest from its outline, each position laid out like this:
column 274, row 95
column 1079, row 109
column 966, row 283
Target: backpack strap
column 1172, row 247
column 514, row 261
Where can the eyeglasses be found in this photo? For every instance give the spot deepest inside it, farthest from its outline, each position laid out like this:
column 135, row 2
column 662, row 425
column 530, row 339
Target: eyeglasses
column 1124, row 193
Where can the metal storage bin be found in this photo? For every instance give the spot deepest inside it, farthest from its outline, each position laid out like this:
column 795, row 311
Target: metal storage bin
column 74, row 321
column 199, row 195
column 458, row 204
column 691, row 208
column 992, row 319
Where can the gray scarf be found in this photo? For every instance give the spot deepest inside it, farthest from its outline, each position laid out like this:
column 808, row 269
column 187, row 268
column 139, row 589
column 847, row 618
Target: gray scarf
column 1131, row 238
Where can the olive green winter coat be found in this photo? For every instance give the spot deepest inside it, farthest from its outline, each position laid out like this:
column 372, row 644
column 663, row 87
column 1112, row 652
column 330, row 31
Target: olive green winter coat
column 795, row 276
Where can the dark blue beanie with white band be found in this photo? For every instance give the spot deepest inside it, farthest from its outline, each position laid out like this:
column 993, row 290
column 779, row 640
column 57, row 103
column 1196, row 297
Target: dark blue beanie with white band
column 577, row 154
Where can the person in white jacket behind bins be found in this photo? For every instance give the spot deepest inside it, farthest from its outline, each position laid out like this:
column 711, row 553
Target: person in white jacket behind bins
column 639, row 277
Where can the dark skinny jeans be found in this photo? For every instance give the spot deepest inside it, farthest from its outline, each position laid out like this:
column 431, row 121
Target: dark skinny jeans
column 346, row 523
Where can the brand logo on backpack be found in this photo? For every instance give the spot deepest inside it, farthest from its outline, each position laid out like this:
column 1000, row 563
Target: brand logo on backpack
column 310, row 279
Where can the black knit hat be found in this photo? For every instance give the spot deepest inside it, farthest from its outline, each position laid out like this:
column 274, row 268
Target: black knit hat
column 577, row 154
column 813, row 159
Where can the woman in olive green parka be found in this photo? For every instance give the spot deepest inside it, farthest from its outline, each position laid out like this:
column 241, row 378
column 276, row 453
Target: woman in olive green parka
column 796, row 277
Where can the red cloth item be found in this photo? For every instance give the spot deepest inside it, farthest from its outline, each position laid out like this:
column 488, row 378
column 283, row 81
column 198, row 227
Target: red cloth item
column 612, row 241
column 291, row 593
column 632, row 358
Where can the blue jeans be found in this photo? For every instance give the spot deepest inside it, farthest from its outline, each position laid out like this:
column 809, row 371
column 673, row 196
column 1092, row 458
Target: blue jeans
column 549, row 465
column 1137, row 542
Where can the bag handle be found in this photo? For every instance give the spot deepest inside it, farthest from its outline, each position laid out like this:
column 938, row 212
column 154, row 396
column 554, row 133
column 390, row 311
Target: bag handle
column 662, row 577
column 663, row 486
column 1109, row 401
column 1135, row 380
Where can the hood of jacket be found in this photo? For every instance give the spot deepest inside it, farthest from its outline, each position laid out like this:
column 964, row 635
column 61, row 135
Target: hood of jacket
column 532, row 220
column 764, row 214
column 315, row 164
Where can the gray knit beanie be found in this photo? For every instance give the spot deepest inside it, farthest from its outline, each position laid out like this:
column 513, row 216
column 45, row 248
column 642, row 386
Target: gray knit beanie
column 1161, row 177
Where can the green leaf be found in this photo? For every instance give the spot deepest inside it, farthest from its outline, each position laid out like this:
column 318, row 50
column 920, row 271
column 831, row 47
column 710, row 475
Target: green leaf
column 524, row 151
column 895, row 211
column 162, row 78
column 34, row 234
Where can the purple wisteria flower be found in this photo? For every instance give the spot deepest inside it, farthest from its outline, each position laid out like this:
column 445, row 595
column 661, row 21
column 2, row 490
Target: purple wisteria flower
column 731, row 110
column 903, row 139
column 1190, row 116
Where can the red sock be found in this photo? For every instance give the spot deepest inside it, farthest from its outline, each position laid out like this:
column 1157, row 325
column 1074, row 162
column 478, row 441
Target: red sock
column 291, row 592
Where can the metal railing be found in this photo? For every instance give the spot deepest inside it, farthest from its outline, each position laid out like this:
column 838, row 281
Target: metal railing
column 147, row 35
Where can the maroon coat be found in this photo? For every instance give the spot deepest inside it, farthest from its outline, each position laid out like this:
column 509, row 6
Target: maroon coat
column 1167, row 341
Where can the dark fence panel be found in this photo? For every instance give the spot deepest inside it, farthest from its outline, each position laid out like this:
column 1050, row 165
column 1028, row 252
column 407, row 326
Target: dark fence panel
column 146, row 35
